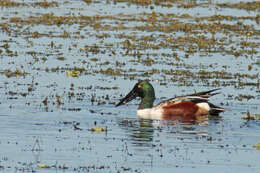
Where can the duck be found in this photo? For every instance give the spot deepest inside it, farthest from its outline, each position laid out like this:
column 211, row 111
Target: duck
column 191, row 107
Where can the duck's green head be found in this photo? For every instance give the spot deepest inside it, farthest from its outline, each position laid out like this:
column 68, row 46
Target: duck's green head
column 141, row 89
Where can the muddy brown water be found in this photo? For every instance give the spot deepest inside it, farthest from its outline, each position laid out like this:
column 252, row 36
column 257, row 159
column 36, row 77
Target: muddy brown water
column 64, row 65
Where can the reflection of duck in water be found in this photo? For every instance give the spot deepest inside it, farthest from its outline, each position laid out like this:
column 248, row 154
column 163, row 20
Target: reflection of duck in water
column 193, row 107
column 140, row 133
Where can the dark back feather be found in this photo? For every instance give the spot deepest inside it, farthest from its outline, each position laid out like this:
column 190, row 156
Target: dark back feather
column 196, row 97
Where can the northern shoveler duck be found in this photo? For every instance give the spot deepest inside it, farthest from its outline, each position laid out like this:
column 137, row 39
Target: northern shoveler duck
column 192, row 107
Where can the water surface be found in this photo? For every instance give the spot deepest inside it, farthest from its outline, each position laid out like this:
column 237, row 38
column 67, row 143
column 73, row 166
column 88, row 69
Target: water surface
column 64, row 65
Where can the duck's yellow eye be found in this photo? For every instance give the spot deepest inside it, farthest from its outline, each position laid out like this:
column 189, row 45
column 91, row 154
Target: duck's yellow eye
column 139, row 86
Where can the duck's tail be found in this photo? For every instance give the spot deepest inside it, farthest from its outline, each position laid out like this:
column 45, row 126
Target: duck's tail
column 215, row 110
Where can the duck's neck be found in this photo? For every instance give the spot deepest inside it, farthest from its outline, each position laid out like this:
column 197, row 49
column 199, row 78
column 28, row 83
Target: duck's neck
column 147, row 102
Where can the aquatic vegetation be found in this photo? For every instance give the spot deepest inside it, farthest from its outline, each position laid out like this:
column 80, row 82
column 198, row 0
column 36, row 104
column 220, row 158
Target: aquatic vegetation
column 257, row 146
column 15, row 73
column 97, row 129
column 72, row 74
column 250, row 116
column 41, row 165
column 254, row 5
column 9, row 3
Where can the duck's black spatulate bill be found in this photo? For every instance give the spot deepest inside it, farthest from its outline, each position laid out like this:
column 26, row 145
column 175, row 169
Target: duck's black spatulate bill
column 130, row 96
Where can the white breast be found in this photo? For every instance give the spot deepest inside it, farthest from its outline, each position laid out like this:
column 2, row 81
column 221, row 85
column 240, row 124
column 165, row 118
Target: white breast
column 150, row 113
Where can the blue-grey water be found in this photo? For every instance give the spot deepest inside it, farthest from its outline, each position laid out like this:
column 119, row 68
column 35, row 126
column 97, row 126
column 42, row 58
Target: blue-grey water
column 64, row 66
